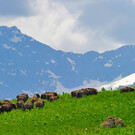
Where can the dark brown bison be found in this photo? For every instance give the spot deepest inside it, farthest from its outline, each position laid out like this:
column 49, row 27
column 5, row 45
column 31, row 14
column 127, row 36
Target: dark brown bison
column 20, row 104
column 28, row 105
column 8, row 102
column 39, row 103
column 73, row 93
column 47, row 95
column 77, row 92
column 6, row 108
column 90, row 91
column 81, row 92
column 23, row 97
column 52, row 98
column 34, row 98
column 4, row 102
column 38, row 96
column 126, row 89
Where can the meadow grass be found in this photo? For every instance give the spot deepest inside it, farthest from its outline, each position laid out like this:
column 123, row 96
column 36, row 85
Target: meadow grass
column 71, row 116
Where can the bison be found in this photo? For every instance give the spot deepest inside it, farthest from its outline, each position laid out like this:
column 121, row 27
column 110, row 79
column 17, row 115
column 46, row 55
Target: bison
column 8, row 102
column 20, row 104
column 47, row 95
column 28, row 105
column 23, row 97
column 75, row 93
column 38, row 96
column 35, row 97
column 6, row 108
column 39, row 103
column 126, row 89
column 52, row 98
column 4, row 102
column 81, row 92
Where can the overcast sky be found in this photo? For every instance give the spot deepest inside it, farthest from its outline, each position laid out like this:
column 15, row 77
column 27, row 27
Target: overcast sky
column 73, row 25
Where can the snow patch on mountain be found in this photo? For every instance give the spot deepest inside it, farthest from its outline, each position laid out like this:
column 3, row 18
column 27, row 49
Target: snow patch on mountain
column 126, row 81
column 72, row 62
column 53, row 61
column 12, row 74
column 26, row 46
column 23, row 72
column 52, row 74
column 47, row 63
column 6, row 46
column 108, row 65
column 16, row 39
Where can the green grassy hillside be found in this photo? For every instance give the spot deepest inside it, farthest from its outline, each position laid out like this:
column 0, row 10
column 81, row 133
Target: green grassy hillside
column 71, row 116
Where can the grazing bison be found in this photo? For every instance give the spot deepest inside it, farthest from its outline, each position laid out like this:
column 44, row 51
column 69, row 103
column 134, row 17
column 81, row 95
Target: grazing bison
column 126, row 89
column 79, row 94
column 47, row 95
column 52, row 98
column 39, row 103
column 112, row 122
column 34, row 98
column 6, row 108
column 20, row 104
column 23, row 97
column 8, row 102
column 90, row 91
column 28, row 105
column 38, row 96
column 4, row 102
column 86, row 91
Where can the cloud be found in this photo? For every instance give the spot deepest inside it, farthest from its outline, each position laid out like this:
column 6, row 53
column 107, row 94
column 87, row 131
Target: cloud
column 52, row 24
column 74, row 25
column 14, row 8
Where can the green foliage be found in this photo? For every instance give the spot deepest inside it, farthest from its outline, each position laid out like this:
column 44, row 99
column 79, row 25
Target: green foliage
column 71, row 116
column 103, row 89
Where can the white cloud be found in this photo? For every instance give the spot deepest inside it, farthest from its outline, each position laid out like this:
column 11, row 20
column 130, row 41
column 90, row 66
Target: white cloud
column 58, row 24
column 53, row 24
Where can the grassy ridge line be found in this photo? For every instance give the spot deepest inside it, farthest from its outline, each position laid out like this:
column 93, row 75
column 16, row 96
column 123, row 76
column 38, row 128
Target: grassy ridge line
column 71, row 116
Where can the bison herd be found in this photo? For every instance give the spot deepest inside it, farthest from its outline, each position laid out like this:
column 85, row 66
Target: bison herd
column 38, row 101
column 81, row 92
column 23, row 103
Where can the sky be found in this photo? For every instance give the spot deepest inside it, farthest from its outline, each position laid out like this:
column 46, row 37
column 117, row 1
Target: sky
column 73, row 25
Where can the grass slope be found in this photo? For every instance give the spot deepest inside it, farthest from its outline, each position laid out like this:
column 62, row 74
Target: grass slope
column 71, row 116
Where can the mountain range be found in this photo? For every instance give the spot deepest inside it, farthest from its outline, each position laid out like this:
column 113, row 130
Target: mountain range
column 29, row 66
